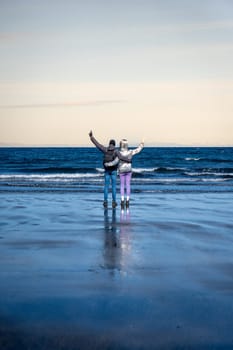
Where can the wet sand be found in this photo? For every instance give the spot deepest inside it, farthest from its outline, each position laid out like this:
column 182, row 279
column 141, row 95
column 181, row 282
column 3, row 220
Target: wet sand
column 74, row 276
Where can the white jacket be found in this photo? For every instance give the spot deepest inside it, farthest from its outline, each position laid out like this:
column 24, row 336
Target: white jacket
column 125, row 167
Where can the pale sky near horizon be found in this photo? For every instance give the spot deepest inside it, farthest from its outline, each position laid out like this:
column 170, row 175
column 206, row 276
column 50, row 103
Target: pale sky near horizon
column 157, row 70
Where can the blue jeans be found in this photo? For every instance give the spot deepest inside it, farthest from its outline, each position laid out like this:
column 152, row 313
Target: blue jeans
column 110, row 176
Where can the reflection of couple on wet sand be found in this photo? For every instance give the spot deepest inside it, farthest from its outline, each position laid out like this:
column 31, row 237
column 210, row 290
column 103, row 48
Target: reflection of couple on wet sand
column 114, row 160
column 116, row 240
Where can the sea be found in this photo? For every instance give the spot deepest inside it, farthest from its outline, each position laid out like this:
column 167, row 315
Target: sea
column 76, row 275
column 80, row 169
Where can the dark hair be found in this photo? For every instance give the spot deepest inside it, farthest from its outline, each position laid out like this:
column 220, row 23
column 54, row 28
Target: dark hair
column 112, row 142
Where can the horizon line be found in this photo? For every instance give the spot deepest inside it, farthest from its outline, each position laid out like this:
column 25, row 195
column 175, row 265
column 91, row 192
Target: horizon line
column 11, row 145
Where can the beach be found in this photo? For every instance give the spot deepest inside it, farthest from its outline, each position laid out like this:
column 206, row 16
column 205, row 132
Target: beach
column 76, row 276
column 105, row 102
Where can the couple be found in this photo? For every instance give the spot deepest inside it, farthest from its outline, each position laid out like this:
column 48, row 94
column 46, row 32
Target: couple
column 117, row 159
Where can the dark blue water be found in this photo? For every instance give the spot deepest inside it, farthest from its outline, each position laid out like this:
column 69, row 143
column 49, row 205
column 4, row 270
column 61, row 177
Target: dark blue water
column 80, row 169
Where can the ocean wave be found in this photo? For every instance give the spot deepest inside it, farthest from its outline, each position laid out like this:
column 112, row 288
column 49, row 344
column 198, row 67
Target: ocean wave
column 143, row 170
column 194, row 180
column 208, row 160
column 191, row 159
column 52, row 169
column 208, row 173
column 158, row 170
column 80, row 169
column 46, row 177
column 214, row 179
column 216, row 160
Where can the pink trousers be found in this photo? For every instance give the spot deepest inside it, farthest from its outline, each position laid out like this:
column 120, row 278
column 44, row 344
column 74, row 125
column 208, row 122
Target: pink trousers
column 125, row 179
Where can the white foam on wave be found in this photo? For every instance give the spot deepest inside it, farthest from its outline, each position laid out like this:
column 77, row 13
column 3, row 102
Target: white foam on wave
column 48, row 177
column 214, row 180
column 189, row 158
column 144, row 170
column 207, row 173
column 178, row 180
column 165, row 180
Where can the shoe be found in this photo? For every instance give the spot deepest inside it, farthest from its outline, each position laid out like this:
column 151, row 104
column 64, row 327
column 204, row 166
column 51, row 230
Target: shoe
column 127, row 204
column 114, row 204
column 122, row 204
column 105, row 204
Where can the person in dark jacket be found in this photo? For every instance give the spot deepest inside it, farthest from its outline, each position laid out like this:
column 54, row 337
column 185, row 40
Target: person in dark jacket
column 125, row 170
column 110, row 174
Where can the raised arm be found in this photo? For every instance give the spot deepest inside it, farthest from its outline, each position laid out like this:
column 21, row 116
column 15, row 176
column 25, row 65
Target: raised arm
column 138, row 149
column 96, row 143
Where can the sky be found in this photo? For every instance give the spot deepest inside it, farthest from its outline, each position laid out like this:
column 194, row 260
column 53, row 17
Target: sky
column 158, row 70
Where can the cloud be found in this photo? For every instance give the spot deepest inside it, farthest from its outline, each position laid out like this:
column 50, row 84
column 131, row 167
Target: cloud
column 196, row 26
column 15, row 36
column 63, row 104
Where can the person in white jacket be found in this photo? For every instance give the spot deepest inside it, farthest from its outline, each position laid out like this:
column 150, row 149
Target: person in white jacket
column 125, row 170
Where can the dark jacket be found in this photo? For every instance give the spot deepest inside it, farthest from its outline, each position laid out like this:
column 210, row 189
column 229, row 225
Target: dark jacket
column 105, row 150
